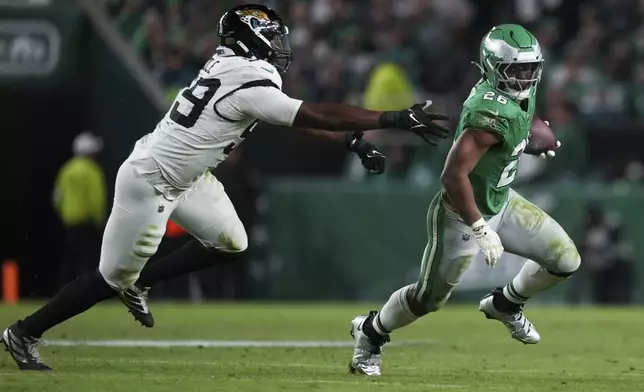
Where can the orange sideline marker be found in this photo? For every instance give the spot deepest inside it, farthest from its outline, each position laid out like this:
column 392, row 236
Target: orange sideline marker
column 10, row 278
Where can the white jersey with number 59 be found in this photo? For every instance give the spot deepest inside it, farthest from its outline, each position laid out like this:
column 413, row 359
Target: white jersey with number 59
column 210, row 118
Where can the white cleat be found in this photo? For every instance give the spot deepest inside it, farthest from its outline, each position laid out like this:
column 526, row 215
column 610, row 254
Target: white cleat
column 366, row 354
column 519, row 326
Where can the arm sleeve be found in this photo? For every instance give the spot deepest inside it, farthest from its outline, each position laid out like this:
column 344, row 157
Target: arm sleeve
column 267, row 104
column 486, row 120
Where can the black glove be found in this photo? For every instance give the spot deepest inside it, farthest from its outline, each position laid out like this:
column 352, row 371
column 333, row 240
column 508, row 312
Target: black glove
column 372, row 159
column 418, row 121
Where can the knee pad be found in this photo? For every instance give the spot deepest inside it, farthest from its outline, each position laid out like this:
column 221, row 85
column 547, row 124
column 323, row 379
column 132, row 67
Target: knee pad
column 567, row 261
column 421, row 309
column 430, row 303
column 434, row 297
column 121, row 269
column 148, row 243
column 233, row 239
column 435, row 304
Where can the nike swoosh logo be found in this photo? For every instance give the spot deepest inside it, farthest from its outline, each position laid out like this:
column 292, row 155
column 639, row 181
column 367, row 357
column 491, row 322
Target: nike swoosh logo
column 493, row 112
column 268, row 70
column 413, row 117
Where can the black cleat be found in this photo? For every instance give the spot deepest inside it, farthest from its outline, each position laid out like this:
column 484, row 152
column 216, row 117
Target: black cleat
column 23, row 349
column 136, row 300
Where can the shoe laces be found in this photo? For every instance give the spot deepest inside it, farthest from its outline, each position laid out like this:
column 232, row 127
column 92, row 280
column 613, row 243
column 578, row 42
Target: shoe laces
column 32, row 348
column 143, row 292
column 141, row 295
column 519, row 317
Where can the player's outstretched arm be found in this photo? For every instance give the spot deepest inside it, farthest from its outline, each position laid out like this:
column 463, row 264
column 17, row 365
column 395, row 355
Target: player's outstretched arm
column 461, row 160
column 338, row 117
column 271, row 105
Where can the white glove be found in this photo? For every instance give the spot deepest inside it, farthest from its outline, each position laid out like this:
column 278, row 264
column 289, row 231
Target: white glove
column 549, row 153
column 488, row 241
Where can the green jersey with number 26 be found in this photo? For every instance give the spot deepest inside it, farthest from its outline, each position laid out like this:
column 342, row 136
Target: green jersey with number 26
column 490, row 110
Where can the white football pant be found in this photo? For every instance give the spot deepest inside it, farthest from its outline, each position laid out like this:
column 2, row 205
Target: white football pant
column 525, row 230
column 139, row 216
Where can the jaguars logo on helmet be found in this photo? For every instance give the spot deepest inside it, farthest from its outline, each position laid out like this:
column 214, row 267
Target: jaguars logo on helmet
column 254, row 30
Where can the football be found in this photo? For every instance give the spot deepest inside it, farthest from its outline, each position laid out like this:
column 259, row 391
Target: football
column 541, row 137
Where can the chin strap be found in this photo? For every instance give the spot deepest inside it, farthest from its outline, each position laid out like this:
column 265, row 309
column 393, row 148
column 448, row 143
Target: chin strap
column 516, row 94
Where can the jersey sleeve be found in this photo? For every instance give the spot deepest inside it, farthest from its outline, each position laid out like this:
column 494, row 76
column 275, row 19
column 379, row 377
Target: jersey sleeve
column 258, row 95
column 267, row 104
column 485, row 116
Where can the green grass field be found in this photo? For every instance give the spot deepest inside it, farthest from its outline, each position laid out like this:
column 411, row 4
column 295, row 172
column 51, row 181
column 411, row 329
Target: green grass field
column 456, row 349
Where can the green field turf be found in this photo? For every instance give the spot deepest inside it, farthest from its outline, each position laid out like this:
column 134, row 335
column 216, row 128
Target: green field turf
column 456, row 349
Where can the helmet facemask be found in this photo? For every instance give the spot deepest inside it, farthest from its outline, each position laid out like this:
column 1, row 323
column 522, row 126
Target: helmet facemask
column 275, row 36
column 273, row 44
column 517, row 78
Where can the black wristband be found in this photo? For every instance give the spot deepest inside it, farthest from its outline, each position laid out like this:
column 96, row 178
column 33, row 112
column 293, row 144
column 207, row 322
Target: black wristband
column 390, row 119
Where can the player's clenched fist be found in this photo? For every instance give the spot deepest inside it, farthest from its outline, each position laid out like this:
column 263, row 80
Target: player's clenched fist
column 370, row 157
column 416, row 119
column 488, row 241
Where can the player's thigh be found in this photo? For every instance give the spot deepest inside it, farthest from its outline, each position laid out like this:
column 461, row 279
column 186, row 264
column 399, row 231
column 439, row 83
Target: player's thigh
column 134, row 228
column 209, row 215
column 528, row 231
column 449, row 252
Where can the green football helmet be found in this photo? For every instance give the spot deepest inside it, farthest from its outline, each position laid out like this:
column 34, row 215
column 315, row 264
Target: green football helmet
column 511, row 60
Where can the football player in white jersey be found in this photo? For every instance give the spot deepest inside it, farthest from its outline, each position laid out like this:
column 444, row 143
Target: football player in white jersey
column 168, row 174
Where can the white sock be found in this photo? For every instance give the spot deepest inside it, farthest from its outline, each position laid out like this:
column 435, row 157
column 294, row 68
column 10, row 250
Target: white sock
column 395, row 314
column 532, row 279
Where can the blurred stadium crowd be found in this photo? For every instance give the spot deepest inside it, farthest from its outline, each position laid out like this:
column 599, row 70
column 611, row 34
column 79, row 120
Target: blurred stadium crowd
column 384, row 54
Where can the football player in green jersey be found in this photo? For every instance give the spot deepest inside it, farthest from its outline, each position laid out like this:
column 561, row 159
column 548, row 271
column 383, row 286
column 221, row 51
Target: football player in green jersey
column 478, row 211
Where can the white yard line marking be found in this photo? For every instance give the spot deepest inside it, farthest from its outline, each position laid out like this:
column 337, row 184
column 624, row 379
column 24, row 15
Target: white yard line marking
column 567, row 373
column 219, row 343
column 363, row 382
column 205, row 363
